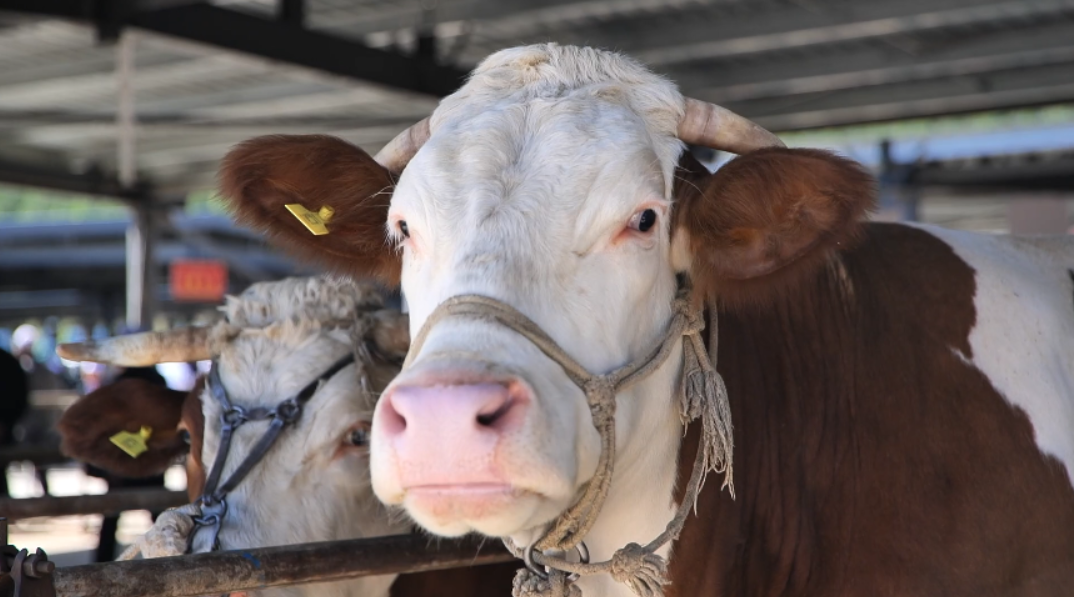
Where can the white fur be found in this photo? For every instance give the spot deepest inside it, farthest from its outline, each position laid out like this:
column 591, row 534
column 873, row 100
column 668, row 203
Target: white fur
column 298, row 493
column 532, row 168
column 1023, row 340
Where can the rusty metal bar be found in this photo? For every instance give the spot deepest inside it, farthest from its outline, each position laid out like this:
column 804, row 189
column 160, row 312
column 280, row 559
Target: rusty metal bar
column 252, row 569
column 113, row 502
column 39, row 455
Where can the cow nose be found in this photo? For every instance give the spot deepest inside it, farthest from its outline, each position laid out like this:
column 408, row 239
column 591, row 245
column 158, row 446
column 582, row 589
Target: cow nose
column 446, row 435
column 477, row 407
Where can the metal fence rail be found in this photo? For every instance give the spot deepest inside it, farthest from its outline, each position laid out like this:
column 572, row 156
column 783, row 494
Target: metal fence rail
column 113, row 502
column 251, row 569
column 39, row 455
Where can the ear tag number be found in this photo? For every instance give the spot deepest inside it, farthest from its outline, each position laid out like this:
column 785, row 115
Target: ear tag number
column 314, row 221
column 132, row 443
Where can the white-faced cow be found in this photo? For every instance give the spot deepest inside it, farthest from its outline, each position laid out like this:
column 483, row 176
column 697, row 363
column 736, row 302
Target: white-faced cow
column 312, row 484
column 902, row 396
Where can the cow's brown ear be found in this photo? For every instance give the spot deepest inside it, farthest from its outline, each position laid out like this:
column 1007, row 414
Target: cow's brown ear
column 768, row 218
column 261, row 176
column 87, row 426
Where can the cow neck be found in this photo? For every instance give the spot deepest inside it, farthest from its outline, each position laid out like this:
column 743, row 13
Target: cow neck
column 548, row 572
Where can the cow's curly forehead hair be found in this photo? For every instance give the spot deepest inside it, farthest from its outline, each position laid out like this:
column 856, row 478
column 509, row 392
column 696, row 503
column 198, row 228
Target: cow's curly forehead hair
column 550, row 71
column 325, row 298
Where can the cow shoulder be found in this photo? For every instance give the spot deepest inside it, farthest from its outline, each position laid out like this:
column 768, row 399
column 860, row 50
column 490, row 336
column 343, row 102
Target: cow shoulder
column 127, row 405
column 261, row 176
column 766, row 219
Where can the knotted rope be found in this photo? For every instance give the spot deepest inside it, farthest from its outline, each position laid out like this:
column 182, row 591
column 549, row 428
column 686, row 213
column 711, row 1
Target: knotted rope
column 169, row 535
column 703, row 396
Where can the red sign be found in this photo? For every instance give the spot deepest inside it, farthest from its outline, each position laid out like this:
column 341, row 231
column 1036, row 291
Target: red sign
column 197, row 280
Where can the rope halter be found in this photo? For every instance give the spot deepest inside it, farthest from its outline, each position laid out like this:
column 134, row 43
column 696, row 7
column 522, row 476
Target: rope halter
column 703, row 395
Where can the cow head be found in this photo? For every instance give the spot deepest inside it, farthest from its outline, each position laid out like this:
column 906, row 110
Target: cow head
column 550, row 181
column 313, row 484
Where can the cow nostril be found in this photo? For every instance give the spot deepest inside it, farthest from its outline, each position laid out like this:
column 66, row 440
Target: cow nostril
column 391, row 419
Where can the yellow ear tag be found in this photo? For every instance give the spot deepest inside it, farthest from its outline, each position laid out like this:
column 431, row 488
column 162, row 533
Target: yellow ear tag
column 132, row 443
column 314, row 221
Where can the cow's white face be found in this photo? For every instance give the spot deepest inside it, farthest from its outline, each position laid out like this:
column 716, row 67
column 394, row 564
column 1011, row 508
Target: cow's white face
column 560, row 208
column 313, row 484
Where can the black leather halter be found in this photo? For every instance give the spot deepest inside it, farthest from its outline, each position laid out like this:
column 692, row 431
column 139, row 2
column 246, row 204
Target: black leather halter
column 213, row 500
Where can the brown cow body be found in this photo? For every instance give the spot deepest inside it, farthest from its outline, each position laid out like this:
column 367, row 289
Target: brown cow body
column 870, row 459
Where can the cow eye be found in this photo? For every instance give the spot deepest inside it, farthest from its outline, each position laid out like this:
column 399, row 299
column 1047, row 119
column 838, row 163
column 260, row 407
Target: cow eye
column 185, row 435
column 359, row 436
column 404, row 229
column 644, row 220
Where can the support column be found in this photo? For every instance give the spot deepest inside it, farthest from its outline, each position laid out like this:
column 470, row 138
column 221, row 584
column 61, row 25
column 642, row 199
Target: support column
column 899, row 196
column 141, row 273
column 140, row 232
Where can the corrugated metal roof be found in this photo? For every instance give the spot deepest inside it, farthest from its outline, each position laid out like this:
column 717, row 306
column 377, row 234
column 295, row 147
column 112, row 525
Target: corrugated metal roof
column 788, row 63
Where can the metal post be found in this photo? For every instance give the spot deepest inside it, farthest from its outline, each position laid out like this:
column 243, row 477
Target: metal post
column 140, row 271
column 140, row 233
column 898, row 195
column 125, row 114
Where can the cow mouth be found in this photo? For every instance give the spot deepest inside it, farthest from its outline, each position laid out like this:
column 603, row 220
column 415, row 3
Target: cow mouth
column 463, row 489
column 456, row 509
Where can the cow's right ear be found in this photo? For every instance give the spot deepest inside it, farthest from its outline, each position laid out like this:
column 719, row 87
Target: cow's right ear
column 766, row 220
column 261, row 176
column 129, row 405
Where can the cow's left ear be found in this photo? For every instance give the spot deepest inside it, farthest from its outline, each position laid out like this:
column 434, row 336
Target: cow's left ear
column 316, row 196
column 765, row 218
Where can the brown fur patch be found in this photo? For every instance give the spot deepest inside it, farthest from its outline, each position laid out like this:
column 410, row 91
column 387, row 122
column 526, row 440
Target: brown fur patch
column 259, row 176
column 870, row 459
column 192, row 420
column 768, row 219
column 127, row 405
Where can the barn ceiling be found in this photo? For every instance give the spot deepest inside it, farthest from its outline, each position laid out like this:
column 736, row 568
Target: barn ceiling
column 208, row 75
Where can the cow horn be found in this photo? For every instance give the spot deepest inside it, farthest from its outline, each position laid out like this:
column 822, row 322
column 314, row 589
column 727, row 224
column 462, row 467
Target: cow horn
column 709, row 125
column 143, row 349
column 399, row 151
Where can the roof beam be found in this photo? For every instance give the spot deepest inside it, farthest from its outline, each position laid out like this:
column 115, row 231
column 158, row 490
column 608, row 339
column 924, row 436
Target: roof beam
column 795, row 26
column 287, row 43
column 519, row 17
column 275, row 40
column 980, row 55
column 93, row 182
column 1016, row 88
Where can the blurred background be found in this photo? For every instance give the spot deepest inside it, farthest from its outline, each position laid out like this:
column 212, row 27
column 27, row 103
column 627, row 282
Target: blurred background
column 114, row 114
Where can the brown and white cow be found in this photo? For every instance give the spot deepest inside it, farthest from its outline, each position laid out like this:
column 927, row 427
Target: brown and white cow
column 902, row 396
column 313, row 484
